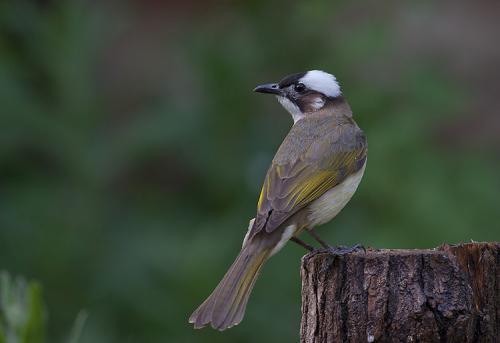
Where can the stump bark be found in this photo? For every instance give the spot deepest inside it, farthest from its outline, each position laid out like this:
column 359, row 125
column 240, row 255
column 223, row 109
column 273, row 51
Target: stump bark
column 448, row 294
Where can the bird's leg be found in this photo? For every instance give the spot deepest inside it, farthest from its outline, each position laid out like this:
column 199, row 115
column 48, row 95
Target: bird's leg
column 302, row 243
column 318, row 238
column 340, row 250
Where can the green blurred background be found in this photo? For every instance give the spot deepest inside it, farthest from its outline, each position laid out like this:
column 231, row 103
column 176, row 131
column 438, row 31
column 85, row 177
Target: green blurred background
column 132, row 149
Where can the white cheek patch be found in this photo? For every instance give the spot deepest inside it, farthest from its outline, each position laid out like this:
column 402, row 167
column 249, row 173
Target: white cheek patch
column 293, row 109
column 322, row 82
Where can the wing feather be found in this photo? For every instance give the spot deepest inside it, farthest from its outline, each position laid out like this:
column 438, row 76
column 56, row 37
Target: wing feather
column 293, row 184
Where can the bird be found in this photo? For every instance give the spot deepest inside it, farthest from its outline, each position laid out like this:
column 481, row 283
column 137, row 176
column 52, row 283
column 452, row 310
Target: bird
column 312, row 176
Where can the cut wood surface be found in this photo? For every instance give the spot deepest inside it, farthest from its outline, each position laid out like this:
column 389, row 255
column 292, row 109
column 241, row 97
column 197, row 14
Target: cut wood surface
column 447, row 294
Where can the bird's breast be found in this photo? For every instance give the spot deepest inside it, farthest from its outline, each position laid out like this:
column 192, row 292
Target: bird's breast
column 327, row 206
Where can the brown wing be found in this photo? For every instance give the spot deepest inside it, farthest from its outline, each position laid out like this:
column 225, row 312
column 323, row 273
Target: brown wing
column 292, row 185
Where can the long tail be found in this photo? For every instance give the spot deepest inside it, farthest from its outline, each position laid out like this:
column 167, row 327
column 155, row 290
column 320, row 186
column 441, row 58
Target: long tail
column 225, row 307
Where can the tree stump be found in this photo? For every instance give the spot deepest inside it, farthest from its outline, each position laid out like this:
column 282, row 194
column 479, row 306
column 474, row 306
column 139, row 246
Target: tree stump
column 449, row 294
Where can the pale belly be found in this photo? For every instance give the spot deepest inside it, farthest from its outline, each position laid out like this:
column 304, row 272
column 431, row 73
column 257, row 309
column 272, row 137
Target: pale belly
column 326, row 207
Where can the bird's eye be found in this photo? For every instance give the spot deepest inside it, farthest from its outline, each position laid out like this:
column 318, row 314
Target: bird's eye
column 299, row 87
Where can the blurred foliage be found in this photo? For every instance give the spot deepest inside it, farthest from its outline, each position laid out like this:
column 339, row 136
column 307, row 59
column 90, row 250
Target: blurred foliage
column 132, row 150
column 23, row 315
column 22, row 318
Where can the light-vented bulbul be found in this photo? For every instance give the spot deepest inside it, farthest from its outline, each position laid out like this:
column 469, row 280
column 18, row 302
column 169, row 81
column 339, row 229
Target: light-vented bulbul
column 313, row 175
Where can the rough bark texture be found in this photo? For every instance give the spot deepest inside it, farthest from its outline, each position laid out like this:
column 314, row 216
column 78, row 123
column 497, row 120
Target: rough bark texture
column 449, row 294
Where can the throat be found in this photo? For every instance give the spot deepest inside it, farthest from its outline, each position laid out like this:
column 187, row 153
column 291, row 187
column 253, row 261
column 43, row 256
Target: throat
column 293, row 109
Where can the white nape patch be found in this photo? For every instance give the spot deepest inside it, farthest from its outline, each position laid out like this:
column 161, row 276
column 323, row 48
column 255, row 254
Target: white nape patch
column 318, row 103
column 322, row 82
column 293, row 109
column 250, row 224
column 285, row 237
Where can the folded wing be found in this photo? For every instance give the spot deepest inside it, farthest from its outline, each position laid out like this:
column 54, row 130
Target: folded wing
column 294, row 183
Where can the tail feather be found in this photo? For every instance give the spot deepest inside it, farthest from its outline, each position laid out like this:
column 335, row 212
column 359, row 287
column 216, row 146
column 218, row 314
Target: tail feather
column 237, row 308
column 225, row 307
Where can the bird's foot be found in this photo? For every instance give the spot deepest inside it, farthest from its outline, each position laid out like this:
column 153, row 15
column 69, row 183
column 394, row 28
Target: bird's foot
column 342, row 250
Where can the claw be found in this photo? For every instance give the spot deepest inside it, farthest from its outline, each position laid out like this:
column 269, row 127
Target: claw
column 342, row 250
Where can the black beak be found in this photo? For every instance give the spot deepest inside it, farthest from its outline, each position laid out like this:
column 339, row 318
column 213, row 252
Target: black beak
column 271, row 88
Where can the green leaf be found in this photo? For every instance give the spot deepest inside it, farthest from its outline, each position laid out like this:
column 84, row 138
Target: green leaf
column 2, row 335
column 34, row 329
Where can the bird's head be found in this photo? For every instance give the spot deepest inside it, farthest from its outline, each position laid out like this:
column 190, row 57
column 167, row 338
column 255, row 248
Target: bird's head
column 303, row 93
